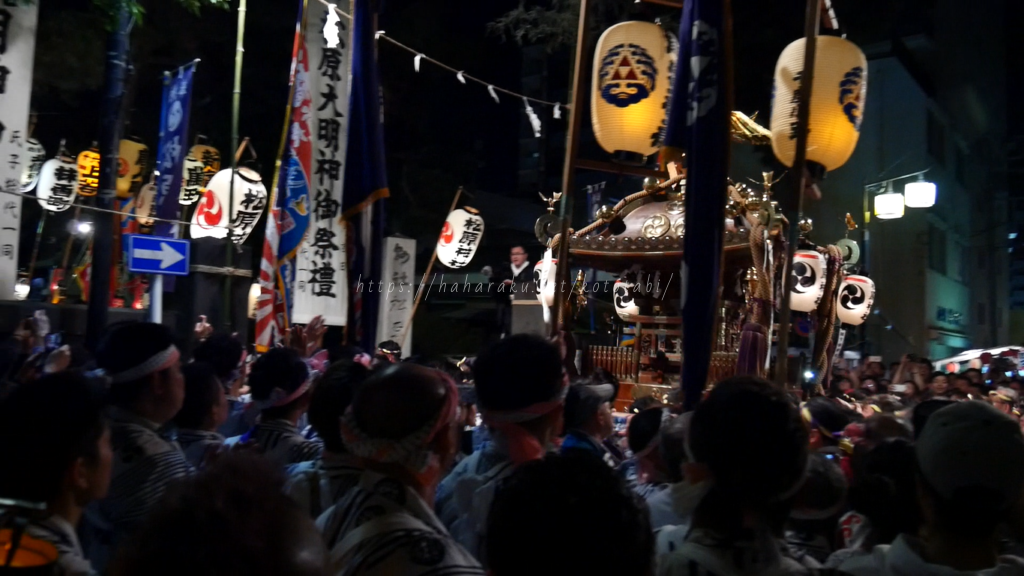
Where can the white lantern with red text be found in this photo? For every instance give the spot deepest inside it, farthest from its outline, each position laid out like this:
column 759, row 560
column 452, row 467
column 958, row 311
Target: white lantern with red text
column 632, row 84
column 808, row 281
column 855, row 297
column 58, row 184
column 624, row 297
column 460, row 237
column 544, row 273
column 836, row 107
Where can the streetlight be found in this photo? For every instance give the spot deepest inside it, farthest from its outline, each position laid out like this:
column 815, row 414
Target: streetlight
column 889, row 205
column 919, row 194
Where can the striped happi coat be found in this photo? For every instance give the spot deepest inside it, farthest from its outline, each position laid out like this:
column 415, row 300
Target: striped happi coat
column 282, row 443
column 316, row 486
column 145, row 464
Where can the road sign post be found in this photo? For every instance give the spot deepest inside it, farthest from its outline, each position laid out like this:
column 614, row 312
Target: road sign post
column 159, row 257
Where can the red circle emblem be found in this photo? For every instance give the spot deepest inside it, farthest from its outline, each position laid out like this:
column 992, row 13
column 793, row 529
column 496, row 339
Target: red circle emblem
column 208, row 213
column 447, row 234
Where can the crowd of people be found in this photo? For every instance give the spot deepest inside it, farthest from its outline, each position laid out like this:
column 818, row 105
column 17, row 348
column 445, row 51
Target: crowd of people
column 139, row 461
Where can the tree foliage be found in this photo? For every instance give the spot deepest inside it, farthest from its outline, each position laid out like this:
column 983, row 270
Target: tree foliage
column 135, row 9
column 554, row 23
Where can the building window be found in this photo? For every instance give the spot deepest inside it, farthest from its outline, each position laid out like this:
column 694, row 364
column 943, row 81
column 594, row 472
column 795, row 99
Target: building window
column 936, row 138
column 937, row 249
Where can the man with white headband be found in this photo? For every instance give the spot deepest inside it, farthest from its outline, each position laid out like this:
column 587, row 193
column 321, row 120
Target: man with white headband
column 403, row 427
column 281, row 386
column 520, row 387
column 146, row 391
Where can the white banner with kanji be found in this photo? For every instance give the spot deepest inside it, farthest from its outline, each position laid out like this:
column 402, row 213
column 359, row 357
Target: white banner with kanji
column 17, row 49
column 321, row 286
column 398, row 285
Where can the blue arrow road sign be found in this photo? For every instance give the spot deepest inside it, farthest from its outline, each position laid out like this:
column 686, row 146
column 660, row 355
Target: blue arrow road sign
column 157, row 255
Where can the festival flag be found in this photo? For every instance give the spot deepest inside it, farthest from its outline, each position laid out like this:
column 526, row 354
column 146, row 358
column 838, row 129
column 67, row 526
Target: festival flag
column 291, row 181
column 699, row 122
column 365, row 179
column 173, row 145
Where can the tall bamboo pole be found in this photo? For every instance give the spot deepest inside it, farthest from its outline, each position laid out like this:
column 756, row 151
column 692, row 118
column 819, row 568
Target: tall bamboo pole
column 811, row 22
column 236, row 98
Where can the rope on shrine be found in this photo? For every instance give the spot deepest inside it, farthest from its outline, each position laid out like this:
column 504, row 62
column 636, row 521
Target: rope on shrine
column 826, row 316
column 622, row 204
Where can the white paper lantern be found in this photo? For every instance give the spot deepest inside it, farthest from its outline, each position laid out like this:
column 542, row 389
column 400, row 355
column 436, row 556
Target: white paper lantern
column 58, row 184
column 919, row 194
column 35, row 155
column 808, row 280
column 211, row 218
column 855, row 297
column 632, row 80
column 145, row 205
column 837, row 101
column 193, row 178
column 889, row 206
column 624, row 298
column 460, row 237
column 545, row 282
column 254, row 298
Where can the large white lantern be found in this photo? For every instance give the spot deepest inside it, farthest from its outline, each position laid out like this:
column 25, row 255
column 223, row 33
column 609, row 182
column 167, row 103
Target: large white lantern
column 919, row 194
column 889, row 205
column 855, row 297
column 624, row 297
column 632, row 80
column 544, row 280
column 837, row 101
column 211, row 218
column 36, row 155
column 460, row 237
column 808, row 280
column 58, row 184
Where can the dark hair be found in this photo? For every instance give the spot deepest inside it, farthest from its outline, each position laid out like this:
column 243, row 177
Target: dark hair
column 343, row 352
column 884, row 490
column 923, row 411
column 643, row 403
column 237, row 504
column 565, row 513
column 223, row 353
column 125, row 346
column 753, row 440
column 516, row 372
column 831, row 416
column 398, row 400
column 279, row 368
column 936, row 374
column 46, row 426
column 202, row 393
column 331, row 397
column 673, row 446
column 643, row 428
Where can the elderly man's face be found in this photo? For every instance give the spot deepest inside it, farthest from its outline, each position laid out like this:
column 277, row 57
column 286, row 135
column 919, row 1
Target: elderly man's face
column 517, row 255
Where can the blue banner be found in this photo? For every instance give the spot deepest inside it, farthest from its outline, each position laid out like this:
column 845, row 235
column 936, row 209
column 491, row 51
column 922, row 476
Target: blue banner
column 173, row 145
column 699, row 123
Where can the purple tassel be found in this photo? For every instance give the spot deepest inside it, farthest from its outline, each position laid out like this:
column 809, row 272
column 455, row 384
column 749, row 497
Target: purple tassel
column 753, row 350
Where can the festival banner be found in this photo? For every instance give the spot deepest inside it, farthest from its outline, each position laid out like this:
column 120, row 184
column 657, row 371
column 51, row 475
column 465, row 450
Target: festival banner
column 398, row 285
column 17, row 49
column 271, row 307
column 699, row 120
column 365, row 177
column 173, row 145
column 321, row 281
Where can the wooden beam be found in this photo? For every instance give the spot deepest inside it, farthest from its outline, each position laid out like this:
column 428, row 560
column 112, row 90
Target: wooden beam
column 613, row 168
column 672, row 3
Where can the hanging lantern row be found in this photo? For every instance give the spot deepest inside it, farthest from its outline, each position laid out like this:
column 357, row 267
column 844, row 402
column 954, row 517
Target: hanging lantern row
column 88, row 172
column 836, row 106
column 30, row 172
column 855, row 296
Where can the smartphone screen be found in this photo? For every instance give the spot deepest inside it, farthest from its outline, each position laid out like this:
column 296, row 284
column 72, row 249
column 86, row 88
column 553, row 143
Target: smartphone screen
column 53, row 341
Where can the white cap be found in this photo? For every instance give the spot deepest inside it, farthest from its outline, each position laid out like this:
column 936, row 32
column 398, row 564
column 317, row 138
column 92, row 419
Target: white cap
column 972, row 445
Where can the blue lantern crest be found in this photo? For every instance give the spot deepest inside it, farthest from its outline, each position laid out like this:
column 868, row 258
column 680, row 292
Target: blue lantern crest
column 627, row 75
column 851, row 95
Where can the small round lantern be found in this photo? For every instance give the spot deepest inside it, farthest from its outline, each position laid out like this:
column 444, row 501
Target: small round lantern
column 193, row 179
column 837, row 101
column 36, row 155
column 545, row 284
column 88, row 172
column 210, row 158
column 58, row 184
column 131, row 164
column 808, row 281
column 632, row 80
column 460, row 236
column 145, row 205
column 624, row 297
column 855, row 297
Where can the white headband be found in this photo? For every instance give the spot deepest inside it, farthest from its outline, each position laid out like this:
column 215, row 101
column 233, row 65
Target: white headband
column 159, row 361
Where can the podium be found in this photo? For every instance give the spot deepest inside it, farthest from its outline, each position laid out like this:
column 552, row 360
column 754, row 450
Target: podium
column 527, row 312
